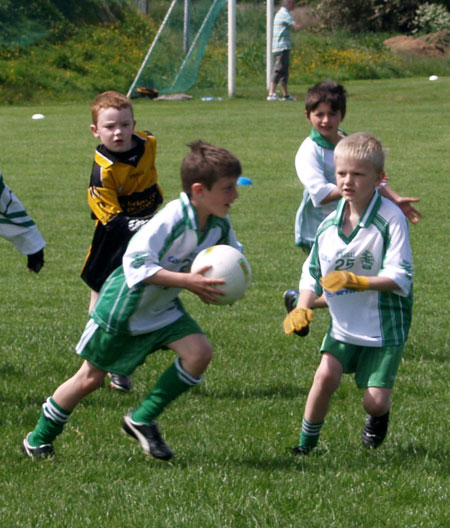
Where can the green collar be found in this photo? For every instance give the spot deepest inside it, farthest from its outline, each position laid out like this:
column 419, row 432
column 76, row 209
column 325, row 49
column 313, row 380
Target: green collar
column 321, row 141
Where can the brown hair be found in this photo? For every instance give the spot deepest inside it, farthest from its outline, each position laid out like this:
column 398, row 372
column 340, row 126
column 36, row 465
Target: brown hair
column 109, row 99
column 326, row 92
column 206, row 164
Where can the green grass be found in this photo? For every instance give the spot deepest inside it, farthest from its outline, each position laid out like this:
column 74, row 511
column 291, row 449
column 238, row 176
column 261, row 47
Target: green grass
column 230, row 434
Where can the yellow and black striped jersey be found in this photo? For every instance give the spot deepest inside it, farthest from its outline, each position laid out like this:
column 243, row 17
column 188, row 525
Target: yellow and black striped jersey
column 125, row 183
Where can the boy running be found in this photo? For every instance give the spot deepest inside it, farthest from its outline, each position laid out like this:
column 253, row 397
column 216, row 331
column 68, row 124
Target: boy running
column 139, row 311
column 325, row 109
column 361, row 259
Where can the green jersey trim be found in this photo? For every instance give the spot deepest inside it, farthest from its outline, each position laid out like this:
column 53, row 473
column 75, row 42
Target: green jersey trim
column 114, row 320
column 395, row 312
column 321, row 141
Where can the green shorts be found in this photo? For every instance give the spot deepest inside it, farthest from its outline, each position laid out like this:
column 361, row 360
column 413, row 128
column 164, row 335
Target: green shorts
column 373, row 366
column 122, row 354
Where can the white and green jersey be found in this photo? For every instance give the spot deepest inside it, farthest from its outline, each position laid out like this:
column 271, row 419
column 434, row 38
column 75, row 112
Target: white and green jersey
column 170, row 240
column 16, row 225
column 378, row 246
column 314, row 163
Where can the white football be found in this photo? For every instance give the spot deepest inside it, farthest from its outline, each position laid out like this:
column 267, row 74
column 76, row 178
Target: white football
column 229, row 264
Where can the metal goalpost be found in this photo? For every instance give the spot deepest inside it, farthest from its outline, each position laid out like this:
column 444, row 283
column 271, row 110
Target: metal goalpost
column 231, row 42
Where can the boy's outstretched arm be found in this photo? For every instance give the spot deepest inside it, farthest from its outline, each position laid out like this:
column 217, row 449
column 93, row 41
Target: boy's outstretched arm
column 411, row 213
column 195, row 282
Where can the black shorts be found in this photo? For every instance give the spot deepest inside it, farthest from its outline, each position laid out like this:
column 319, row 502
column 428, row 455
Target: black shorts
column 281, row 67
column 104, row 256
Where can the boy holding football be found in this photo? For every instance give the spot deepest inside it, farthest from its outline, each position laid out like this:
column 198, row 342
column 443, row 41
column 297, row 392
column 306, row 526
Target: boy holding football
column 123, row 191
column 139, row 311
column 361, row 259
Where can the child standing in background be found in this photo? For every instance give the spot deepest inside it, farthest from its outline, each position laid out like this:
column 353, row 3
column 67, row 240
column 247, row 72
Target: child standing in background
column 123, row 191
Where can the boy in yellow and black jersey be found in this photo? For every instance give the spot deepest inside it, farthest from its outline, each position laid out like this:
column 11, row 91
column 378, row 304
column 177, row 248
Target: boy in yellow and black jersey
column 123, row 191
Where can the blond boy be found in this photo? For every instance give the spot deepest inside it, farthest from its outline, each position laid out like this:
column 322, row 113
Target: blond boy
column 361, row 259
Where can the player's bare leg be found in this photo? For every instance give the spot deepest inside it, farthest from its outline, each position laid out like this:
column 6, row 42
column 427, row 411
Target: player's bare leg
column 88, row 379
column 194, row 354
column 326, row 381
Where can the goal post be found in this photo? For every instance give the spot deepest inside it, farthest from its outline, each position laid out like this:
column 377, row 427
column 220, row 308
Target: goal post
column 173, row 59
column 269, row 35
column 231, row 48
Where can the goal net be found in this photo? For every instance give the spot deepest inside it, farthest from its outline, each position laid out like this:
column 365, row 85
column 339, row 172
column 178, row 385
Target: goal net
column 173, row 60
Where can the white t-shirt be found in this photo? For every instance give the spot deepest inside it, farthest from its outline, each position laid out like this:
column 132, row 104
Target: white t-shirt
column 16, row 225
column 315, row 169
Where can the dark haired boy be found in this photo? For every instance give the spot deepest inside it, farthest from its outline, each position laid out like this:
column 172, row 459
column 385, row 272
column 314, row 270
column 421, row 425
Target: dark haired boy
column 325, row 109
column 139, row 310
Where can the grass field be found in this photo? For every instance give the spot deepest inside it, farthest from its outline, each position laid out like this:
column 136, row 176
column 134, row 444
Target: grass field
column 231, row 434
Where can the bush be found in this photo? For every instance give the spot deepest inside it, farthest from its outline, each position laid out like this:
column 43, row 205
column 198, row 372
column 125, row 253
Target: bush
column 431, row 18
column 363, row 15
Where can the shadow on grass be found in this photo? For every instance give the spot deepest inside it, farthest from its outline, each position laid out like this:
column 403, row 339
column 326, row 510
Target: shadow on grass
column 410, row 457
column 278, row 390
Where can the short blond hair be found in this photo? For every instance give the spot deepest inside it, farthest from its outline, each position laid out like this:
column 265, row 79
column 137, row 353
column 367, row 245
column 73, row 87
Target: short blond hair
column 110, row 99
column 364, row 147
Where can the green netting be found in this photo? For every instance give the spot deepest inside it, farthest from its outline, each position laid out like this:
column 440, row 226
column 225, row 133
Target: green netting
column 26, row 22
column 173, row 61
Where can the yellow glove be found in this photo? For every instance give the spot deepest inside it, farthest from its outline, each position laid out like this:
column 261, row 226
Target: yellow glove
column 297, row 320
column 339, row 280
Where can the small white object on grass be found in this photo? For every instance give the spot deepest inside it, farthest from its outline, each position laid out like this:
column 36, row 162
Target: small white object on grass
column 38, row 116
column 433, row 78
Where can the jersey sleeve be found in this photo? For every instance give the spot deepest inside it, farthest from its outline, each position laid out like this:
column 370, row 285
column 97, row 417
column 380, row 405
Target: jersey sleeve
column 16, row 225
column 233, row 241
column 311, row 272
column 142, row 257
column 397, row 263
column 310, row 167
column 103, row 199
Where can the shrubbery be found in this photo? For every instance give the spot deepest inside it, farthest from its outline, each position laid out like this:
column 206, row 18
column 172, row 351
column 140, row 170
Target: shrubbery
column 74, row 62
column 382, row 15
column 430, row 18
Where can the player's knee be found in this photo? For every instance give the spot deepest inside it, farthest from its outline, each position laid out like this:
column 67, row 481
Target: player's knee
column 326, row 380
column 204, row 354
column 92, row 381
column 377, row 401
column 198, row 359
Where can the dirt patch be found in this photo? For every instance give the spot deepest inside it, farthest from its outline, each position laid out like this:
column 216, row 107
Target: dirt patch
column 304, row 16
column 431, row 45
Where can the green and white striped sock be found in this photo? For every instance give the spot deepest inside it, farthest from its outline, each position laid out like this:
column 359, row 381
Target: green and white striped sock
column 50, row 424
